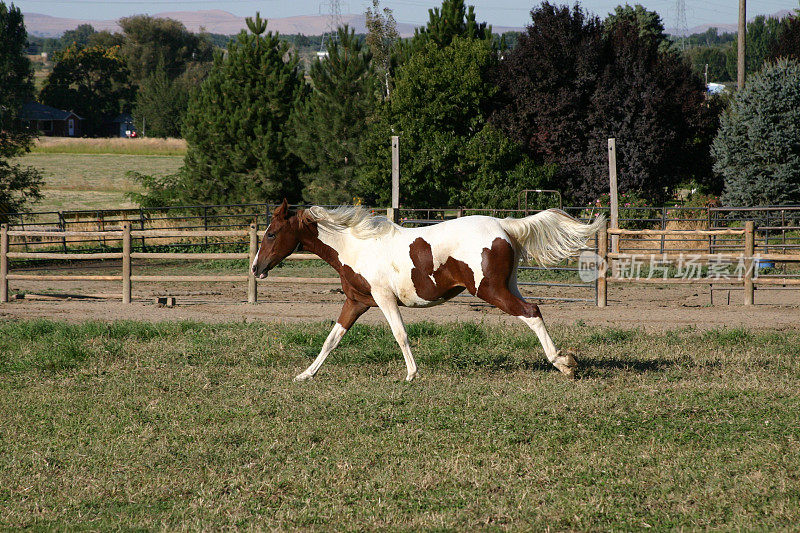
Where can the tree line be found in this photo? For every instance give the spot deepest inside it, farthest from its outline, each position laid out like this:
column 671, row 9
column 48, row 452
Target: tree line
column 767, row 38
column 478, row 120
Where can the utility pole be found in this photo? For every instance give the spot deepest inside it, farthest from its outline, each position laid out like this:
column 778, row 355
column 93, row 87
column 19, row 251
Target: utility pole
column 741, row 43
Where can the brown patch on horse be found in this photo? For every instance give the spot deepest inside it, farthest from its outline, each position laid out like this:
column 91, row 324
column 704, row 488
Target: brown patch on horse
column 497, row 264
column 449, row 279
column 354, row 286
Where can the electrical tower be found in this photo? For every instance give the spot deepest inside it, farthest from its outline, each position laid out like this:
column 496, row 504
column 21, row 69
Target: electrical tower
column 681, row 27
column 334, row 10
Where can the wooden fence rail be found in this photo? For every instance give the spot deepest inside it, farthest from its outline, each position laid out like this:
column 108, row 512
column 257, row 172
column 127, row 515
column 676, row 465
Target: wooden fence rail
column 609, row 261
column 126, row 235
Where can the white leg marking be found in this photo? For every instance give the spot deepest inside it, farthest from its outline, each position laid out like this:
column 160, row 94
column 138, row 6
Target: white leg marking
column 563, row 361
column 537, row 325
column 388, row 304
column 330, row 343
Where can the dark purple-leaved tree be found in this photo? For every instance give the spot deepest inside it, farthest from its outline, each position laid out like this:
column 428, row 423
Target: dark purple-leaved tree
column 572, row 83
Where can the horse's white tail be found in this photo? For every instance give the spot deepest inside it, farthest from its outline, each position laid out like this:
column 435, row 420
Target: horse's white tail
column 550, row 236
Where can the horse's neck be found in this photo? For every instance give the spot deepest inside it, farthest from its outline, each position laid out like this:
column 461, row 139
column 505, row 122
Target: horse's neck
column 327, row 245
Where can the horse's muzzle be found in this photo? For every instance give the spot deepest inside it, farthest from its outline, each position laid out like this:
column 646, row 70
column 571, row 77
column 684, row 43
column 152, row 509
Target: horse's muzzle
column 259, row 273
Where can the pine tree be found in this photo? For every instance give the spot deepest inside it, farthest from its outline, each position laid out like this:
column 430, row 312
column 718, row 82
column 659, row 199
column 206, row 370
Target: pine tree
column 329, row 125
column 451, row 20
column 237, row 125
column 161, row 105
column 18, row 185
column 756, row 149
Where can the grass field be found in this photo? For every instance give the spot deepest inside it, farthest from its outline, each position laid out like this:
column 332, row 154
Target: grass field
column 75, row 181
column 128, row 425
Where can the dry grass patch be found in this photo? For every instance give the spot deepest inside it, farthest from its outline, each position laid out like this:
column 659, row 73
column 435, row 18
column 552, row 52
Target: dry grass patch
column 77, row 181
column 111, row 145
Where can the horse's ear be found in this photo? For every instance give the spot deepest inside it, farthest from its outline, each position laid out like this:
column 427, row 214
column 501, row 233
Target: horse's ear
column 281, row 210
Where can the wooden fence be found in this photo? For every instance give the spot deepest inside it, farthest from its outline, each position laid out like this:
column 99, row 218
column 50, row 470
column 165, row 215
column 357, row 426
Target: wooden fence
column 127, row 278
column 609, row 261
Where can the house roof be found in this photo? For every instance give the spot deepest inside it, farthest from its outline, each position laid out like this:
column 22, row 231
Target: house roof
column 124, row 117
column 37, row 111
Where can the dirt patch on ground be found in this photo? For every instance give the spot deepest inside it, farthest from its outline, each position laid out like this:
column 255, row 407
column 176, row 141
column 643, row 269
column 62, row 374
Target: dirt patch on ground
column 648, row 307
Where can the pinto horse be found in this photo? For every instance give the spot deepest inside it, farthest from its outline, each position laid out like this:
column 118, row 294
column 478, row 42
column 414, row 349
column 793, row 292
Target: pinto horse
column 384, row 265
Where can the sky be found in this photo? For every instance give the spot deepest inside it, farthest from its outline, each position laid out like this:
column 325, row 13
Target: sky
column 496, row 12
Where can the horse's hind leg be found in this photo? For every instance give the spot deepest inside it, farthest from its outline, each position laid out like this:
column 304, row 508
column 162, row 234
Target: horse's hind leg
column 350, row 313
column 510, row 300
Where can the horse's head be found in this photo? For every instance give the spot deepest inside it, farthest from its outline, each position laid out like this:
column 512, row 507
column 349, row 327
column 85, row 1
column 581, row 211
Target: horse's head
column 280, row 240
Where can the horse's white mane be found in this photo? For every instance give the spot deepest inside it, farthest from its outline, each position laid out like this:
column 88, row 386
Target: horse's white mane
column 361, row 222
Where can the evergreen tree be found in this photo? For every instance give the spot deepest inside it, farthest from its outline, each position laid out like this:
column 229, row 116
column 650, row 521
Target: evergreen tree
column 18, row 185
column 445, row 23
column 237, row 124
column 161, row 104
column 756, row 150
column 329, row 125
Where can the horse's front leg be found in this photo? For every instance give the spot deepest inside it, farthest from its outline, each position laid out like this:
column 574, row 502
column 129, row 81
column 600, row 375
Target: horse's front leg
column 350, row 313
column 388, row 304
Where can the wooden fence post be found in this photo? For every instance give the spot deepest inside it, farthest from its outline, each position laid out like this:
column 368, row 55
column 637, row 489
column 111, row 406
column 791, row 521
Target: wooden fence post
column 4, row 263
column 602, row 268
column 613, row 199
column 252, row 287
column 393, row 213
column 749, row 262
column 126, row 262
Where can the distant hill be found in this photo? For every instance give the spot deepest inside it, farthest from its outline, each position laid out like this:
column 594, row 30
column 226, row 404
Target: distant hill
column 215, row 21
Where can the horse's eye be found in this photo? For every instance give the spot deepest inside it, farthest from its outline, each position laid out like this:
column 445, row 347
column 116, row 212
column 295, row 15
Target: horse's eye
column 270, row 235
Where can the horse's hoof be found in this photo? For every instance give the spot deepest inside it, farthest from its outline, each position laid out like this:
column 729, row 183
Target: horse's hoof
column 410, row 377
column 566, row 363
column 305, row 376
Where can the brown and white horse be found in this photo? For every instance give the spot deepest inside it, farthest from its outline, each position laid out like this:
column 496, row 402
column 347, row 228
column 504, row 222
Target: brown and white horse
column 384, row 265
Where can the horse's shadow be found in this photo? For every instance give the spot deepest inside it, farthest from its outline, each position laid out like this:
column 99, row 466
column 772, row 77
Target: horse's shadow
column 588, row 367
column 593, row 368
